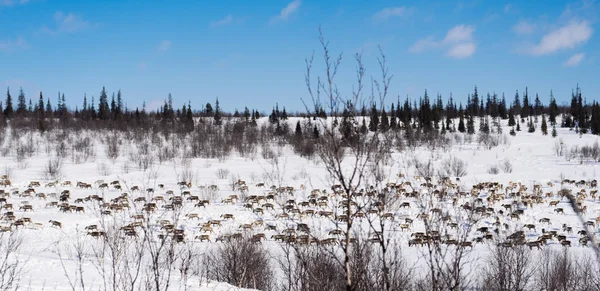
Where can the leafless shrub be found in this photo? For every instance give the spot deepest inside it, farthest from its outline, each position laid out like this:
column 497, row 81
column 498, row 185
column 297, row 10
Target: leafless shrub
column 241, row 263
column 310, row 268
column 493, row 170
column 557, row 271
column 453, row 167
column 11, row 265
column 424, row 169
column 508, row 269
column 489, row 141
column 560, row 147
column 82, row 149
column 506, row 166
column 113, row 146
column 53, row 168
column 222, row 173
column 103, row 169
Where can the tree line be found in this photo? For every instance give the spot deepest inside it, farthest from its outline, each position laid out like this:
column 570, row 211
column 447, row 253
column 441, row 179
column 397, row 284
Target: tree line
column 424, row 114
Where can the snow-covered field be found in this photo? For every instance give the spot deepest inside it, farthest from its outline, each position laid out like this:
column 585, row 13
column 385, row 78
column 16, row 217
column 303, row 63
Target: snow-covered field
column 532, row 155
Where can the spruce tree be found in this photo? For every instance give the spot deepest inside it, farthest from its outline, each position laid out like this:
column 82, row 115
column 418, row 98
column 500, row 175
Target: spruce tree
column 511, row 118
column 363, row 127
column 48, row 107
column 554, row 133
column 374, row 122
column 553, row 109
column 8, row 110
column 40, row 107
column 471, row 125
column 217, row 117
column 544, row 126
column 22, row 104
column 461, row 124
column 103, row 107
column 384, row 125
column 530, row 125
column 518, row 125
column 298, row 131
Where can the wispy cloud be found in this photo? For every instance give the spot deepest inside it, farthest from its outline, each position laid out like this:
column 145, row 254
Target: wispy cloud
column 566, row 37
column 227, row 20
column 461, row 50
column 66, row 23
column 524, row 28
column 458, row 42
column 507, row 8
column 164, row 46
column 9, row 3
column 574, row 60
column 386, row 13
column 288, row 10
column 12, row 45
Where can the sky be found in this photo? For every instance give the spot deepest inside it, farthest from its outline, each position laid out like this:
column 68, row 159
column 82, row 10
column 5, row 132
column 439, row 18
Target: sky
column 253, row 53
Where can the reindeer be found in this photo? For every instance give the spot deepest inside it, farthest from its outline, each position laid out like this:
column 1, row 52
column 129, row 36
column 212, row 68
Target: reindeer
column 55, row 223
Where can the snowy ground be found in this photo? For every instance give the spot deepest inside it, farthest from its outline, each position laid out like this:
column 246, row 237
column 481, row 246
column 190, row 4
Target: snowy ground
column 532, row 155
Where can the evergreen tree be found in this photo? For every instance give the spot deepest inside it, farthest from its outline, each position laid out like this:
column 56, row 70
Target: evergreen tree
column 525, row 109
column 217, row 116
column 21, row 104
column 120, row 108
column 374, row 122
column 103, row 107
column 113, row 106
column 384, row 125
column 531, row 126
column 93, row 109
column 461, row 120
column 284, row 115
column 8, row 110
column 553, row 109
column 517, row 104
column 511, row 118
column 316, row 133
column 363, row 127
column 518, row 125
column 471, row 125
column 554, row 133
column 538, row 107
column 298, row 131
column 544, row 126
column 40, row 107
column 208, row 110
column 246, row 114
column 48, row 107
column 30, row 108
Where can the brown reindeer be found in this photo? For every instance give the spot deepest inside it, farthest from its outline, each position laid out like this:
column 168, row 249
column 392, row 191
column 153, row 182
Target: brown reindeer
column 55, row 223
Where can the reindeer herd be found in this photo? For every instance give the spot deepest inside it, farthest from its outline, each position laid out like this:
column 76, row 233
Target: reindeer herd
column 417, row 210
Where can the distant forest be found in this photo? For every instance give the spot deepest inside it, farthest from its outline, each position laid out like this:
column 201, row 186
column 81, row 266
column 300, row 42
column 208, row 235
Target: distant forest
column 424, row 114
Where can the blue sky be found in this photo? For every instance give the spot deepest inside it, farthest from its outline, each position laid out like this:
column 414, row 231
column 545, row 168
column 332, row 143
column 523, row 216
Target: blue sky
column 253, row 52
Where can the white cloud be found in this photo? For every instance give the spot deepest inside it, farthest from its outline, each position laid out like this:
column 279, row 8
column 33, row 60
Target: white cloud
column 567, row 37
column 458, row 42
column 164, row 46
column 66, row 23
column 574, row 60
column 285, row 13
column 227, row 20
column 12, row 45
column 459, row 33
column 524, row 27
column 461, row 50
column 386, row 13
